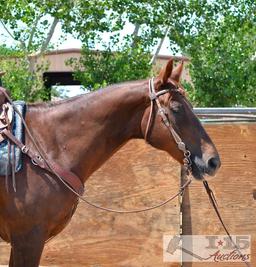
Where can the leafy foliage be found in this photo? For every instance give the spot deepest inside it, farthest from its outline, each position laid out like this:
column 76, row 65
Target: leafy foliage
column 29, row 23
column 97, row 69
column 223, row 69
column 222, row 54
column 31, row 26
column 8, row 52
column 19, row 79
column 121, row 60
column 218, row 36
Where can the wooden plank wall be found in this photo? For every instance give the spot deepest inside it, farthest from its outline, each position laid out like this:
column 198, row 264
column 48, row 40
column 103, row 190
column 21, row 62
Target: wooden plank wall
column 139, row 176
column 132, row 178
column 234, row 187
column 136, row 176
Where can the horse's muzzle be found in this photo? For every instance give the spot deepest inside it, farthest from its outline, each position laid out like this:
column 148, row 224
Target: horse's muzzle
column 201, row 167
column 213, row 164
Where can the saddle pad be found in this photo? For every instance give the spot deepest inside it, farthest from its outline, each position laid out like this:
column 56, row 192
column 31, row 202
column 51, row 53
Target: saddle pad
column 18, row 132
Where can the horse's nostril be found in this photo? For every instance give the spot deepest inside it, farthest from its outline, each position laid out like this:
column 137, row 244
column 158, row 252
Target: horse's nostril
column 214, row 163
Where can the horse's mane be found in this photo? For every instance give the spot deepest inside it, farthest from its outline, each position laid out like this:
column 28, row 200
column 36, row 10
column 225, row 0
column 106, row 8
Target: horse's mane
column 50, row 104
column 54, row 103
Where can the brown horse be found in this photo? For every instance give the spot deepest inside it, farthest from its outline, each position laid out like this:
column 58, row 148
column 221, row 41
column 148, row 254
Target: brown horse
column 81, row 134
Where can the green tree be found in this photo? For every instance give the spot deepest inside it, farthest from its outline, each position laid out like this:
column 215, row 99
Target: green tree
column 124, row 57
column 96, row 69
column 222, row 53
column 223, row 68
column 20, row 81
column 204, row 30
column 31, row 25
column 219, row 36
column 18, row 77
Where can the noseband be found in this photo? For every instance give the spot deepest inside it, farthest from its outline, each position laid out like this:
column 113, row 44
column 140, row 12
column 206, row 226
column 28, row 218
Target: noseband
column 153, row 95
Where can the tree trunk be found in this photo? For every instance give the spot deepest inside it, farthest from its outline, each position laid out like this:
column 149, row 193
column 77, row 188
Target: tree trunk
column 153, row 59
column 135, row 33
column 49, row 36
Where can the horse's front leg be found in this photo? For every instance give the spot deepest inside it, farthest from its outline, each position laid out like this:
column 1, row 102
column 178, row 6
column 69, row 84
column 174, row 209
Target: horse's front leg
column 27, row 248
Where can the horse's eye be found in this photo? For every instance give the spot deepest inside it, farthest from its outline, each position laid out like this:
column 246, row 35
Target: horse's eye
column 175, row 106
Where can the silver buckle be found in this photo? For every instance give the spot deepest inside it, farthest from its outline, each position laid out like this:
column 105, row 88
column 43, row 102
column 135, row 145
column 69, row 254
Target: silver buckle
column 24, row 149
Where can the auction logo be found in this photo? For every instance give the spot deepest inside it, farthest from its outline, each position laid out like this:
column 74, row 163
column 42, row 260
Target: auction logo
column 206, row 248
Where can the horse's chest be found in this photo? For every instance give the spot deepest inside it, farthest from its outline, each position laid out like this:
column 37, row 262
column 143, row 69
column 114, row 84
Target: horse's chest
column 63, row 220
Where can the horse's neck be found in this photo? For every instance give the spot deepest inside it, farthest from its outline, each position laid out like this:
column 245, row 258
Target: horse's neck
column 82, row 134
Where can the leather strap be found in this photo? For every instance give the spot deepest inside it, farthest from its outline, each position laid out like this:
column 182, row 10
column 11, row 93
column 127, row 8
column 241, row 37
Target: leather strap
column 70, row 178
column 179, row 193
column 153, row 95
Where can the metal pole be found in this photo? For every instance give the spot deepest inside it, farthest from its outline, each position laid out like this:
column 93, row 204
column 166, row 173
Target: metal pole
column 236, row 110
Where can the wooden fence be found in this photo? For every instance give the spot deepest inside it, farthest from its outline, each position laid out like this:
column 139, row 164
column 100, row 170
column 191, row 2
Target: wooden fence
column 139, row 176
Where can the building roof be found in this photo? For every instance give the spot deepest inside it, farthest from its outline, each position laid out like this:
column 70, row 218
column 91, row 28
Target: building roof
column 79, row 50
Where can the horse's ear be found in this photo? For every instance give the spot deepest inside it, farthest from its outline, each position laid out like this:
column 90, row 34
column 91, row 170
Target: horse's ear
column 176, row 74
column 166, row 72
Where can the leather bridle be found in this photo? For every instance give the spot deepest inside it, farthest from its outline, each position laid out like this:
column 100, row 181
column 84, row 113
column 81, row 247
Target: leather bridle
column 154, row 99
column 71, row 181
column 187, row 164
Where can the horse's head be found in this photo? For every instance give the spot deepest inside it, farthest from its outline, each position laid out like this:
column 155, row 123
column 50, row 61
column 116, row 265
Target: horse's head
column 179, row 114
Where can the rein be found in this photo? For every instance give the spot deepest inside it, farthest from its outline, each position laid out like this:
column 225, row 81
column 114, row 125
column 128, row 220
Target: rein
column 186, row 161
column 69, row 179
column 215, row 207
